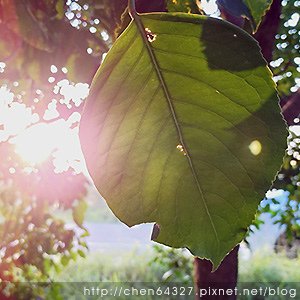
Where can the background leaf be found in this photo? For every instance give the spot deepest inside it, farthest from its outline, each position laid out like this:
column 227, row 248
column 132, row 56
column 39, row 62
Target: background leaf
column 235, row 11
column 258, row 9
column 188, row 6
column 184, row 130
column 79, row 212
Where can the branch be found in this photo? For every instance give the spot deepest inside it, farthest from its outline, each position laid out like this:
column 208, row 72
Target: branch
column 132, row 8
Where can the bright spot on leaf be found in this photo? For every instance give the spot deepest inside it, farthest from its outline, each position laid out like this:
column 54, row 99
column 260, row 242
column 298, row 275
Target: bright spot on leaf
column 255, row 147
column 150, row 36
column 181, row 149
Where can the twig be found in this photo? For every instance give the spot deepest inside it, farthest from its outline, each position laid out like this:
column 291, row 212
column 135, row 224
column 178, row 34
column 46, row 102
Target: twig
column 132, row 9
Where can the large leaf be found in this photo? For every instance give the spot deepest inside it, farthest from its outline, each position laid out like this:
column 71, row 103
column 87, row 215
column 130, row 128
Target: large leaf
column 183, row 128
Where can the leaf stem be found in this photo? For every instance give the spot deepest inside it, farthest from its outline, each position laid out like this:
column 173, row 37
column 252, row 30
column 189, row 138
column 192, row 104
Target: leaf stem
column 132, row 9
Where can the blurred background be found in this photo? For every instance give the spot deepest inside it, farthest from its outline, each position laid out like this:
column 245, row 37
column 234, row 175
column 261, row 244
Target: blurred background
column 54, row 226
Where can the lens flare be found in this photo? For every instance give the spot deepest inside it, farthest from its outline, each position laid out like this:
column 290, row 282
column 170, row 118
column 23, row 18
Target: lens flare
column 35, row 144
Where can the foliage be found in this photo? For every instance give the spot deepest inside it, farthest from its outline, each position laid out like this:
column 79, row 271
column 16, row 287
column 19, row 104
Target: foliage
column 263, row 266
column 151, row 266
column 266, row 266
column 286, row 66
column 96, row 212
column 37, row 43
column 258, row 9
column 33, row 239
column 286, row 61
column 286, row 212
column 54, row 41
column 117, row 266
column 190, row 6
column 177, row 264
column 243, row 13
column 44, row 42
column 171, row 134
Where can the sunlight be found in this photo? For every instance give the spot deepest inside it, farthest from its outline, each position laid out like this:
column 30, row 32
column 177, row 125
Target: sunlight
column 14, row 116
column 210, row 7
column 39, row 138
column 57, row 141
column 35, row 144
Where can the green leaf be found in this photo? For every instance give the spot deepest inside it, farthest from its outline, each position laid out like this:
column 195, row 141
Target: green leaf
column 33, row 31
column 258, row 9
column 64, row 260
column 60, row 8
column 184, row 131
column 79, row 212
column 81, row 253
column 188, row 6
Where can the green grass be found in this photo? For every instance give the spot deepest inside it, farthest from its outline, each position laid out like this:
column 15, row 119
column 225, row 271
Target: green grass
column 265, row 266
column 116, row 267
column 139, row 267
column 262, row 269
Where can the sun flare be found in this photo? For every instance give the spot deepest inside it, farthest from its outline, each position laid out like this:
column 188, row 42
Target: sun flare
column 35, row 144
column 38, row 138
column 56, row 140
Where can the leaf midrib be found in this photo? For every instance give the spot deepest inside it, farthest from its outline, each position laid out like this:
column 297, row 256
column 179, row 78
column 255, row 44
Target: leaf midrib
column 154, row 61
